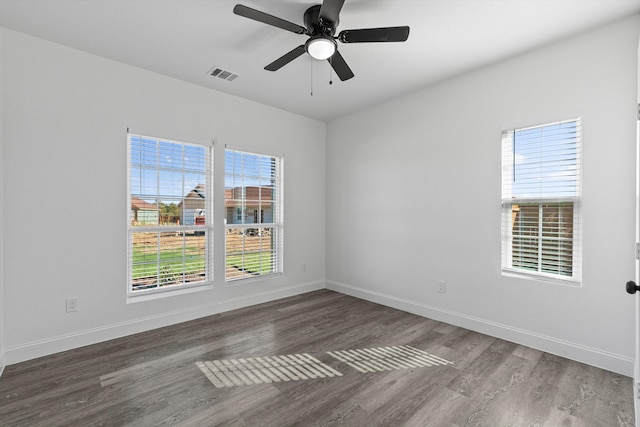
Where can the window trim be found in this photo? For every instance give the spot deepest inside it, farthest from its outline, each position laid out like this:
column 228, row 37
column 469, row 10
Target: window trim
column 178, row 289
column 507, row 269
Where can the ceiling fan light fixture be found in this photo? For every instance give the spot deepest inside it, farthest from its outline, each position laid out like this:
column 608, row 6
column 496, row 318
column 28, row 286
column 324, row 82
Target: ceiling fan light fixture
column 321, row 47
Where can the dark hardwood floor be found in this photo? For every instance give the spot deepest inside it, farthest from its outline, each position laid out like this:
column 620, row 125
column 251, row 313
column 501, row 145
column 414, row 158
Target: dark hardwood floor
column 268, row 365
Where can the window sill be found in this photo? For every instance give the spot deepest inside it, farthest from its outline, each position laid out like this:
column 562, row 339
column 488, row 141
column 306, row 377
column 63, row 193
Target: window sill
column 165, row 293
column 516, row 274
column 253, row 279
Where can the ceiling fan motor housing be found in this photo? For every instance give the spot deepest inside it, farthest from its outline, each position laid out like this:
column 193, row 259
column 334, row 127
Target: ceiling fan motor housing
column 315, row 25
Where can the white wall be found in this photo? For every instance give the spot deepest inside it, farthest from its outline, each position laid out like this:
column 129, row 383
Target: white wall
column 413, row 197
column 65, row 119
column 2, row 362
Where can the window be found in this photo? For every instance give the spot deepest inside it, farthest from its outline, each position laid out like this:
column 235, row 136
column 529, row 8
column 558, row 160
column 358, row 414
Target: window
column 541, row 201
column 253, row 243
column 169, row 226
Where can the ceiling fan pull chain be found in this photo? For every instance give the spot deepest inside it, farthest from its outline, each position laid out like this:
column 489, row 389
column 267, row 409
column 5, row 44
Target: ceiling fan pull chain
column 311, row 65
column 331, row 70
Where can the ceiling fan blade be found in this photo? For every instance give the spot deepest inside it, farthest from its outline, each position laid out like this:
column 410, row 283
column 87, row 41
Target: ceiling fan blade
column 265, row 18
column 285, row 59
column 340, row 66
column 330, row 10
column 368, row 35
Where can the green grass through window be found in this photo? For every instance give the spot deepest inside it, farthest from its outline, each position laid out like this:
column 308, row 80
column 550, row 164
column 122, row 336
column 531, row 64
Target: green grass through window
column 256, row 263
column 172, row 263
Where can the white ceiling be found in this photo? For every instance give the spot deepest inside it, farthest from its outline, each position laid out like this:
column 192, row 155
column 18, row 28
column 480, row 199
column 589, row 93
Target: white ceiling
column 186, row 38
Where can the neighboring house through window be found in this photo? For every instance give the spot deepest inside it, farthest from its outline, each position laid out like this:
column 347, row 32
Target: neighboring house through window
column 253, row 214
column 541, row 201
column 168, row 227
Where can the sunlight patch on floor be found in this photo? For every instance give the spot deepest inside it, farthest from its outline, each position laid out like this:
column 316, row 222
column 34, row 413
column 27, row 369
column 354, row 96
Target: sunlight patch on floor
column 265, row 370
column 294, row 367
column 388, row 358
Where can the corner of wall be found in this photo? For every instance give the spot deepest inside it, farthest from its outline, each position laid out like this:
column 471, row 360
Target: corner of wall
column 2, row 358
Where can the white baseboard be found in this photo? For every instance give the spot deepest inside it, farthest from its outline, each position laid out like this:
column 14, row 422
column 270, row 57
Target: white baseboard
column 60, row 343
column 592, row 356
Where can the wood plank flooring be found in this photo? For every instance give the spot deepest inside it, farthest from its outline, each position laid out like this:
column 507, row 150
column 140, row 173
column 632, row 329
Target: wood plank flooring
column 155, row 378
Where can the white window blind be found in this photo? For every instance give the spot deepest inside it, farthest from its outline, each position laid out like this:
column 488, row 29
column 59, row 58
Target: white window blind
column 253, row 214
column 168, row 226
column 541, row 200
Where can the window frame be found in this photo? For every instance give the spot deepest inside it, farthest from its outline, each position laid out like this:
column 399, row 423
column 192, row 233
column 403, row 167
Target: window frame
column 508, row 218
column 276, row 226
column 206, row 229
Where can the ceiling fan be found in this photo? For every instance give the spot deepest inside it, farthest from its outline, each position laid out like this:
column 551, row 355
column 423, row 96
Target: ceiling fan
column 321, row 22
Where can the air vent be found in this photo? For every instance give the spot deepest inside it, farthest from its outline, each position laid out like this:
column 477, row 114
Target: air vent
column 222, row 74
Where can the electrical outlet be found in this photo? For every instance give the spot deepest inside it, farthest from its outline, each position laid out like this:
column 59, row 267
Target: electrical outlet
column 72, row 304
column 442, row 287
